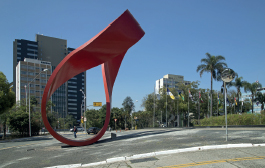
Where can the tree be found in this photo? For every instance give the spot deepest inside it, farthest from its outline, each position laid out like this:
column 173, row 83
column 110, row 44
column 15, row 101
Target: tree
column 7, row 99
column 248, row 87
column 211, row 64
column 238, row 84
column 261, row 99
column 7, row 96
column 128, row 104
column 231, row 94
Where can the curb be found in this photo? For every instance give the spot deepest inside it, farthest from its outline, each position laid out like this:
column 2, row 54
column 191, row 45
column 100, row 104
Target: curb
column 152, row 154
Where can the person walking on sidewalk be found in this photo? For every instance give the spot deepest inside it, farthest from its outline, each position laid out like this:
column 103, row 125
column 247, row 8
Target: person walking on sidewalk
column 75, row 131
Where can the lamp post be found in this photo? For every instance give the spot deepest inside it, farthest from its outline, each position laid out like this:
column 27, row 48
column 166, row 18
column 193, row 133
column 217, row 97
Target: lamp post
column 29, row 97
column 84, row 105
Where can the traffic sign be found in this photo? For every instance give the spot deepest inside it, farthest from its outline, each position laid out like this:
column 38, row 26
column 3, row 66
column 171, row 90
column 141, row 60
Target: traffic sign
column 97, row 104
column 85, row 119
column 115, row 119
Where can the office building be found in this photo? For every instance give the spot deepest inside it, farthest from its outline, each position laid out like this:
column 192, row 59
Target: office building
column 67, row 98
column 170, row 81
column 32, row 70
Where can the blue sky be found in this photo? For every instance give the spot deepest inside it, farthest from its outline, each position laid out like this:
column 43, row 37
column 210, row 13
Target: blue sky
column 178, row 34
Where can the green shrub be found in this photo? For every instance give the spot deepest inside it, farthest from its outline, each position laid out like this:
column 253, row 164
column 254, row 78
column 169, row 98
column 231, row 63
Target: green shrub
column 234, row 119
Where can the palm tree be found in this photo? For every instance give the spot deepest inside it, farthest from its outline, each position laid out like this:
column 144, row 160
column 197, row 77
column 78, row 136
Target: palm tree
column 260, row 98
column 212, row 64
column 238, row 84
column 248, row 87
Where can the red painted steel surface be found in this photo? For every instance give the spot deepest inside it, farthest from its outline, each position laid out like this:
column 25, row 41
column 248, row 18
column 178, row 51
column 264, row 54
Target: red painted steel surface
column 108, row 49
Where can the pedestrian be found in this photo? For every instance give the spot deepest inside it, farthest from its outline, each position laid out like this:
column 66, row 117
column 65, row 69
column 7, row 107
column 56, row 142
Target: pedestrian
column 75, row 131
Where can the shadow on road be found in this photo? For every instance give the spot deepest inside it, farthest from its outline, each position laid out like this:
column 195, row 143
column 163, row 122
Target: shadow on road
column 134, row 135
column 25, row 139
column 122, row 137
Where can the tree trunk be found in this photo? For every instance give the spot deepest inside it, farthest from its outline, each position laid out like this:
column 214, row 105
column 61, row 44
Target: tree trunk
column 211, row 104
column 252, row 102
column 4, row 129
column 199, row 112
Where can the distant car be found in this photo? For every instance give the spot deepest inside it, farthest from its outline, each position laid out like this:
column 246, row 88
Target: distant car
column 78, row 129
column 94, row 130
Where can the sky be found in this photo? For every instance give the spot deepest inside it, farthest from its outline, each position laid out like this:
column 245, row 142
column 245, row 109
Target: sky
column 178, row 34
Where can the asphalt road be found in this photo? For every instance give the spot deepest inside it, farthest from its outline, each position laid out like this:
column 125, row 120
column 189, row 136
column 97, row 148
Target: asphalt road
column 45, row 151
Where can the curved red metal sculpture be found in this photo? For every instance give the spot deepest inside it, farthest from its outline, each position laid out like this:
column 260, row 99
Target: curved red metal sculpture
column 108, row 49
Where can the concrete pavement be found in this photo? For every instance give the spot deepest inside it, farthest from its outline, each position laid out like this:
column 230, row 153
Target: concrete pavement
column 223, row 154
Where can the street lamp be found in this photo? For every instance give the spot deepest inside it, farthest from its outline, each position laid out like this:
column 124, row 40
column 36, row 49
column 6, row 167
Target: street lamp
column 29, row 97
column 84, row 106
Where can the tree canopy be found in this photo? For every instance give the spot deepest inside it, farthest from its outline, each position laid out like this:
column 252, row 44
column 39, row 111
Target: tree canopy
column 7, row 96
column 212, row 64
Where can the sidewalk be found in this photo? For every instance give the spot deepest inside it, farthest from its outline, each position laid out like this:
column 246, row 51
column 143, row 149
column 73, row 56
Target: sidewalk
column 225, row 156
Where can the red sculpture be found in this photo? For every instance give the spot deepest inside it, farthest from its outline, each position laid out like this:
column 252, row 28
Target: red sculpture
column 108, row 49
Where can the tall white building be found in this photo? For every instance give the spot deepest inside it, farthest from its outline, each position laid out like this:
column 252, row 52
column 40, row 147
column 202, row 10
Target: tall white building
column 26, row 71
column 170, row 81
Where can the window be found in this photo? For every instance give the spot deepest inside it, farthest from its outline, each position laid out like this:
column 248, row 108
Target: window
column 71, row 95
column 43, row 81
column 23, row 72
column 19, row 58
column 43, row 75
column 23, row 78
column 72, row 82
column 31, row 54
column 37, row 68
column 31, row 85
column 73, row 104
column 33, row 45
column 23, row 84
column 31, row 73
column 31, row 91
column 74, row 91
column 42, row 86
column 74, row 78
column 22, row 90
column 30, row 67
column 72, row 86
column 18, row 48
column 72, row 100
column 71, row 108
column 37, row 85
column 24, row 66
column 18, row 53
column 18, row 43
column 29, row 49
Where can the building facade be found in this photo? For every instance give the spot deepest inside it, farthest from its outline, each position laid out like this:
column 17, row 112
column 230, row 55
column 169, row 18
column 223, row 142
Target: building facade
column 31, row 78
column 170, row 81
column 68, row 97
